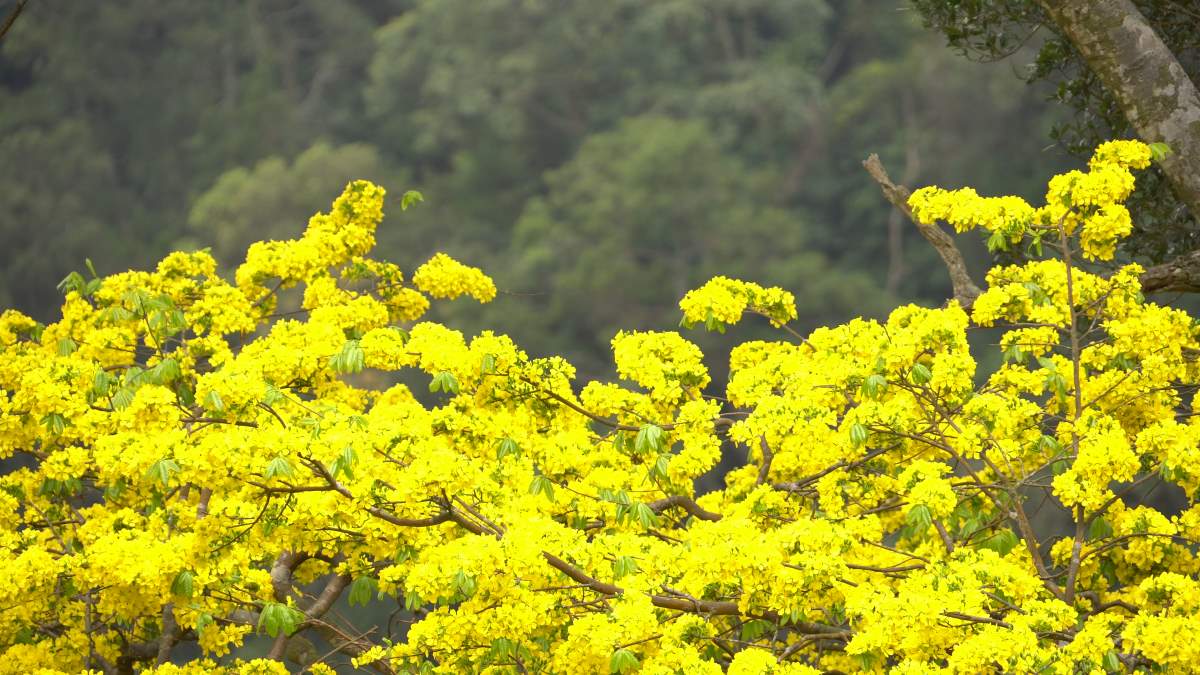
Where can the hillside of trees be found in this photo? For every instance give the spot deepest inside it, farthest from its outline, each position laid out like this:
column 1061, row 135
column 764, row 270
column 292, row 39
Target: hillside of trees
column 576, row 150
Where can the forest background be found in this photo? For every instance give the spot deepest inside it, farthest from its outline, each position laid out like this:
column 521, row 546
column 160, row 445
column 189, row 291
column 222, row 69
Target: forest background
column 597, row 158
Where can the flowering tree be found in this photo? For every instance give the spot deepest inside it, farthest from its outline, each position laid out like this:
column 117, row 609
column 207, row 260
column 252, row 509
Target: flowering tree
column 199, row 466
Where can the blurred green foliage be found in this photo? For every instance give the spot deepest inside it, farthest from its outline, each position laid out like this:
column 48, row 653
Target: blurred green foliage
column 597, row 158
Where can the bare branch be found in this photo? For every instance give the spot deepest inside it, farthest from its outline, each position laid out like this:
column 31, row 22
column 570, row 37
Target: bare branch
column 965, row 290
column 12, row 17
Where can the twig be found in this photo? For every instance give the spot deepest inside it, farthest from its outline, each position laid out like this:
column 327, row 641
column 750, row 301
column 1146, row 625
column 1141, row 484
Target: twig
column 12, row 17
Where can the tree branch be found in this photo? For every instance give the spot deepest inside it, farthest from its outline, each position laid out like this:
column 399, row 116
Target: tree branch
column 1181, row 274
column 1150, row 85
column 687, row 504
column 12, row 17
column 965, row 290
column 685, row 603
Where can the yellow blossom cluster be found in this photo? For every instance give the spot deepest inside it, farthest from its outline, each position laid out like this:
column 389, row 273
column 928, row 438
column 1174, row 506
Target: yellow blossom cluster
column 444, row 277
column 722, row 302
column 1090, row 201
column 191, row 467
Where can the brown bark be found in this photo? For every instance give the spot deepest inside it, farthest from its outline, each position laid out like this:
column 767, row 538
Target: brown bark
column 1155, row 95
column 1181, row 274
column 1148, row 82
column 965, row 289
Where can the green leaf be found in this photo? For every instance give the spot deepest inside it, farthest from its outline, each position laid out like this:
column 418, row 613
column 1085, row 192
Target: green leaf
column 204, row 621
column 344, row 463
column 1014, row 354
column 712, row 324
column 55, row 423
column 1099, row 529
column 968, row 527
column 184, row 584
column 649, row 439
column 464, row 583
column 1001, row 542
column 645, row 515
column 919, row 517
column 350, row 360
column 135, row 377
column 1112, row 664
column 1048, row 444
column 164, row 371
column 361, row 591
column 1036, row 293
column 659, row 470
column 66, row 346
column 114, row 491
column 1109, row 569
column 412, row 600
column 409, row 198
column 115, row 314
column 163, row 470
column 1035, row 243
column 624, row 566
column 502, row 649
column 72, row 282
column 623, row 661
column 1059, row 466
column 1057, row 383
column 214, row 402
column 874, row 386
column 543, row 485
column 489, row 364
column 277, row 618
column 997, row 241
column 1160, row 151
column 272, row 395
column 859, row 433
column 506, row 447
column 122, row 398
column 279, row 466
column 920, row 373
column 444, row 381
column 101, row 381
column 1171, row 474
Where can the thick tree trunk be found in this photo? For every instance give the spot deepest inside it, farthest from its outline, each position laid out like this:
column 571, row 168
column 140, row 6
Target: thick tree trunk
column 1156, row 96
column 1150, row 85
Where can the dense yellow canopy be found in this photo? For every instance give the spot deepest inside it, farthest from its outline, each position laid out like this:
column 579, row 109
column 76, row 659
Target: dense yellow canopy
column 195, row 454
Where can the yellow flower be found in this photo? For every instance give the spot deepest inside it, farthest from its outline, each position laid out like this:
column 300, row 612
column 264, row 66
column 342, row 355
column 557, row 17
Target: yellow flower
column 444, row 277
